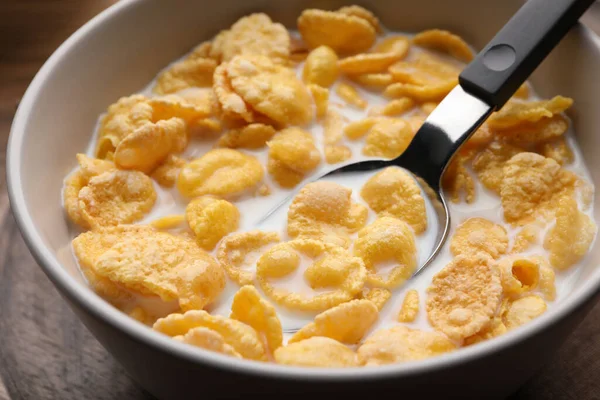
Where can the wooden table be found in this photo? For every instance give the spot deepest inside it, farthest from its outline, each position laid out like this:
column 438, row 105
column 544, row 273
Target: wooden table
column 45, row 352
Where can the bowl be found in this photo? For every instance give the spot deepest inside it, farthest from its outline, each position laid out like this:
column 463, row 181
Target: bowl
column 120, row 51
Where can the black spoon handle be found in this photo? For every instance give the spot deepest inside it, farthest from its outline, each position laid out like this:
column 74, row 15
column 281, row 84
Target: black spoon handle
column 521, row 45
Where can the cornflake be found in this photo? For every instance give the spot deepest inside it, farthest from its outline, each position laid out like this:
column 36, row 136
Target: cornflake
column 211, row 219
column 438, row 39
column 479, row 235
column 535, row 132
column 208, row 339
column 220, row 172
column 168, row 222
column 191, row 72
column 335, row 152
column 519, row 275
column 292, row 156
column 325, row 211
column 345, row 34
column 410, row 307
column 252, row 136
column 187, row 108
column 400, row 344
column 320, row 97
column 116, row 197
column 387, row 240
column 377, row 296
column 321, row 67
column 363, row 13
column 350, row 95
column 379, row 59
column 571, row 236
column 238, row 253
column 346, row 323
column 231, row 106
column 248, row 307
column 458, row 182
column 393, row 192
column 524, row 310
column 526, row 237
column 332, row 268
column 373, row 81
column 464, row 296
column 489, row 164
column 243, row 338
column 388, row 138
column 515, row 113
column 316, row 352
column 558, row 150
column 166, row 173
column 393, row 108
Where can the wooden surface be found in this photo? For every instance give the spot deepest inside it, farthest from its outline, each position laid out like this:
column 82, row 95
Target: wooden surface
column 45, row 352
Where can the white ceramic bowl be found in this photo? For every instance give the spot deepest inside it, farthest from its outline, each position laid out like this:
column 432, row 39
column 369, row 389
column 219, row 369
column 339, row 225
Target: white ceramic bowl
column 120, row 51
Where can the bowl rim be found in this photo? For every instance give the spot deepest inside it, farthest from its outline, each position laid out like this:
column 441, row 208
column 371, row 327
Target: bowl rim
column 100, row 309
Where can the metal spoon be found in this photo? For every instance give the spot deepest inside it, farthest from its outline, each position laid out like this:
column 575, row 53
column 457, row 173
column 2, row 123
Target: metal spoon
column 485, row 85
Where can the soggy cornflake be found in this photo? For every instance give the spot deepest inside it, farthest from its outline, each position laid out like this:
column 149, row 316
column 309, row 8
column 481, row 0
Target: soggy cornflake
column 147, row 147
column 489, row 164
column 479, row 235
column 523, row 310
column 220, row 172
column 401, row 344
column 166, row 173
column 363, row 13
column 515, row 113
column 377, row 296
column 458, row 182
column 388, row 138
column 393, row 108
column 238, row 253
column 571, row 236
column 493, row 329
column 208, row 339
column 252, row 136
column 211, row 219
column 438, row 39
column 464, row 296
column 325, row 211
column 121, row 118
column 116, row 197
column 339, row 275
column 292, row 156
column 519, row 274
column 168, row 222
column 346, row 323
column 335, row 151
column 316, row 352
column 231, row 106
column 410, row 307
column 373, row 81
column 350, row 95
column 320, row 97
column 321, row 67
column 188, row 109
column 376, row 61
column 387, row 240
column 248, row 307
column 558, row 150
column 357, row 129
column 345, row 34
column 243, row 338
column 393, row 192
column 526, row 237
column 531, row 186
column 194, row 72
column 546, row 284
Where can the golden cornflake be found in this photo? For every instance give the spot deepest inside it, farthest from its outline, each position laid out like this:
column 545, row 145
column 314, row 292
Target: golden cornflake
column 387, row 240
column 464, row 296
column 394, row 108
column 558, row 150
column 388, row 138
column 374, row 81
column 395, row 193
column 320, row 98
column 166, row 173
column 211, row 219
column 238, row 253
column 489, row 164
column 231, row 105
column 515, row 113
column 346, row 323
column 400, row 344
column 333, row 125
column 220, row 172
column 321, row 67
column 168, row 222
column 350, row 95
column 524, row 310
column 357, row 129
column 292, row 156
column 248, row 307
column 345, row 34
column 377, row 296
column 410, row 307
column 252, row 136
column 570, row 238
column 458, row 182
column 363, row 13
column 479, row 235
column 526, row 237
column 370, row 63
column 175, row 106
column 438, row 39
column 519, row 274
column 208, row 339
column 316, row 352
column 195, row 72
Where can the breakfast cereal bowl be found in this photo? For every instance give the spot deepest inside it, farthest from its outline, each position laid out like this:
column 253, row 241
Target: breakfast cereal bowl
column 120, row 51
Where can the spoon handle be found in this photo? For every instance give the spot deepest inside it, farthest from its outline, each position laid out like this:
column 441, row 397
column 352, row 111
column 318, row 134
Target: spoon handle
column 519, row 47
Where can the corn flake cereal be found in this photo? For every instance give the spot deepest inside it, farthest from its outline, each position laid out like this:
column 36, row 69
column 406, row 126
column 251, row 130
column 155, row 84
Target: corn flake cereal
column 194, row 72
column 208, row 339
column 231, row 105
column 377, row 296
column 345, row 34
column 211, row 219
column 321, row 67
column 515, row 113
column 464, row 296
column 458, row 182
column 393, row 192
column 346, row 323
column 238, row 253
column 370, row 63
column 400, row 344
column 388, row 138
column 539, row 132
column 320, row 97
column 166, row 173
column 220, row 172
column 558, row 150
column 292, row 156
column 479, row 235
column 519, row 275
column 168, row 222
column 363, row 13
column 524, row 310
column 373, row 81
column 333, row 126
column 438, row 39
column 350, row 95
column 489, row 164
column 248, row 307
column 238, row 335
column 187, row 108
column 252, row 136
column 325, row 211
column 393, row 108
column 387, row 240
column 525, row 238
column 571, row 236
column 357, row 129
column 410, row 307
column 332, row 268
column 316, row 352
